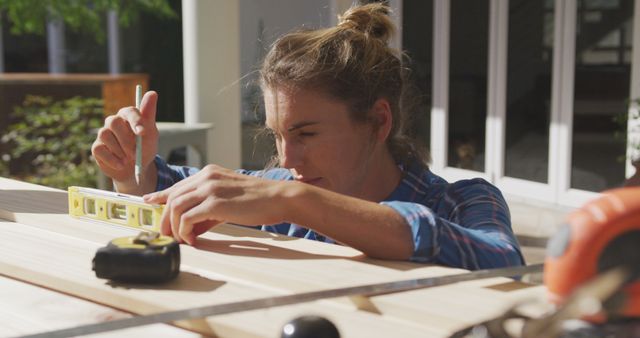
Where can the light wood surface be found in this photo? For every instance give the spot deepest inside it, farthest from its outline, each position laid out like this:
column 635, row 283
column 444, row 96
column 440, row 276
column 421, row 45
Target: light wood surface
column 28, row 309
column 47, row 247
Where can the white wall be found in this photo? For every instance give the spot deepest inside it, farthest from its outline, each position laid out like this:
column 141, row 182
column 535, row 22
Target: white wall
column 211, row 74
column 278, row 17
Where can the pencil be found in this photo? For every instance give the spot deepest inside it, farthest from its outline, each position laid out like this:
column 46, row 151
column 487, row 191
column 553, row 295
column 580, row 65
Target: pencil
column 138, row 169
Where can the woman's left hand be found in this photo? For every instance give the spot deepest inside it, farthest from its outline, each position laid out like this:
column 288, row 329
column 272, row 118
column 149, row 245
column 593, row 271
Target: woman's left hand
column 216, row 195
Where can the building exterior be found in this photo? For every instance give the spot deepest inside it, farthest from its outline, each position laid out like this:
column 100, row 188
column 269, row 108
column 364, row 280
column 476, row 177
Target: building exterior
column 531, row 95
column 527, row 93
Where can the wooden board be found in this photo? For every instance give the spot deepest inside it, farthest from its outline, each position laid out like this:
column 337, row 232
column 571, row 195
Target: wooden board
column 62, row 263
column 115, row 90
column 38, row 309
column 248, row 263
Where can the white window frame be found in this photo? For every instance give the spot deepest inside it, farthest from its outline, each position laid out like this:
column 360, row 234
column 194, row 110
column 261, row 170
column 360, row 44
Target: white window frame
column 562, row 117
column 440, row 98
column 520, row 187
column 440, row 87
column 558, row 189
column 633, row 126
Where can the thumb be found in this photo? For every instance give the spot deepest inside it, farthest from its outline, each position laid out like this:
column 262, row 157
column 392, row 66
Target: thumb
column 159, row 197
column 148, row 109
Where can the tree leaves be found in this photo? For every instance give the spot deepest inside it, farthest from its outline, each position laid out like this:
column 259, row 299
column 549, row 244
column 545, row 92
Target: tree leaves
column 30, row 16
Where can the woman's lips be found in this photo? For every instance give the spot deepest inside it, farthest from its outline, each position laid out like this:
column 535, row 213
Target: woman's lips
column 312, row 181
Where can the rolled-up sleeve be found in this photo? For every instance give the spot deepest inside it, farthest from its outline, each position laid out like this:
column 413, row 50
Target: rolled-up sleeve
column 169, row 175
column 473, row 232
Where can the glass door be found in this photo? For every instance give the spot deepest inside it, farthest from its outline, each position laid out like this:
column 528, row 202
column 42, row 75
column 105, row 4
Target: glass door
column 601, row 91
column 532, row 94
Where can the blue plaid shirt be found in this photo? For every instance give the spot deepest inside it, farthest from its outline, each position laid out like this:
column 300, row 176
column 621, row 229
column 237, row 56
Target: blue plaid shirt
column 464, row 224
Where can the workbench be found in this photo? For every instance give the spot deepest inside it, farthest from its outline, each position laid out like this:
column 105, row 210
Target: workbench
column 46, row 281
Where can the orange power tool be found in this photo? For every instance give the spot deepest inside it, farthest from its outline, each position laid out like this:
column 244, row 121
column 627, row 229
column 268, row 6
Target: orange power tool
column 601, row 235
column 593, row 260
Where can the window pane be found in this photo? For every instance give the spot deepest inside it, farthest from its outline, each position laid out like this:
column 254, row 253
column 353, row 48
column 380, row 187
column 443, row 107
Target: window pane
column 602, row 76
column 417, row 30
column 468, row 83
column 530, row 51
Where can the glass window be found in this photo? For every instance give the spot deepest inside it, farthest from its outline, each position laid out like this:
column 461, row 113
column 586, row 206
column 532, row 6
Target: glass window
column 602, row 77
column 530, row 56
column 468, row 83
column 417, row 39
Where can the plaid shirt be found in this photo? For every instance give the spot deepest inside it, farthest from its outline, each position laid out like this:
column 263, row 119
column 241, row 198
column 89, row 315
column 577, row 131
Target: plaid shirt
column 464, row 224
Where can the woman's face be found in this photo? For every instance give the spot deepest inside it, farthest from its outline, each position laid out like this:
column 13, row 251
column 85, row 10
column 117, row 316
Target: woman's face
column 317, row 140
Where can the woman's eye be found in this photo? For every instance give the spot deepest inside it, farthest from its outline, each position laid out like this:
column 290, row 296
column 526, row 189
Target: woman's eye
column 307, row 134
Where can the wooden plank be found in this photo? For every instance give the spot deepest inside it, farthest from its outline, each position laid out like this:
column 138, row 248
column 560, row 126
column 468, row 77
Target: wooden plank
column 84, row 78
column 28, row 309
column 121, row 93
column 62, row 263
column 116, row 90
column 282, row 265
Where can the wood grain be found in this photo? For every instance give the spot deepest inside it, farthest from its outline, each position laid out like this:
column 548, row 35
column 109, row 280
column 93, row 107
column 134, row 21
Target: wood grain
column 39, row 309
column 249, row 264
column 63, row 263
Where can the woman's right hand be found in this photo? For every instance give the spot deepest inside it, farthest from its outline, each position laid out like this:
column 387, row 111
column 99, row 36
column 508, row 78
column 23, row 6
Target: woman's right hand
column 115, row 146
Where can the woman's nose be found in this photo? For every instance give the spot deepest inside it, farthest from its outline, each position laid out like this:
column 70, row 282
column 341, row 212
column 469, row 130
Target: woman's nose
column 290, row 154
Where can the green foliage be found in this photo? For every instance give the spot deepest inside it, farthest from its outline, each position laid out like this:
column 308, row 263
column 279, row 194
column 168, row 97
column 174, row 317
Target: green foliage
column 29, row 16
column 624, row 128
column 50, row 142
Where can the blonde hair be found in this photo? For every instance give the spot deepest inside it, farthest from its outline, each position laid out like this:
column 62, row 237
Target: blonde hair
column 351, row 62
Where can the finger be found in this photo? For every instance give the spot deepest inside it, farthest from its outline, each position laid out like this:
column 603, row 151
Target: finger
column 199, row 215
column 125, row 136
column 153, row 198
column 165, row 220
column 133, row 117
column 148, row 108
column 165, row 225
column 179, row 206
column 168, row 227
column 123, row 133
column 105, row 158
column 106, row 137
column 202, row 227
column 159, row 197
column 175, row 229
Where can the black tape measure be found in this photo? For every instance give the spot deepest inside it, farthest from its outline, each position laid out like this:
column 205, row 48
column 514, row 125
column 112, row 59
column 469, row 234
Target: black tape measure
column 146, row 258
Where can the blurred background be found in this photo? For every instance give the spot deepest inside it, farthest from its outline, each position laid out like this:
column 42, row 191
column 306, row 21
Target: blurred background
column 532, row 95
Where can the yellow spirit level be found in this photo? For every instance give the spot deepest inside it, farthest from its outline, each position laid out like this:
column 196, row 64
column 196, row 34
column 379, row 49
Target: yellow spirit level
column 114, row 208
column 146, row 258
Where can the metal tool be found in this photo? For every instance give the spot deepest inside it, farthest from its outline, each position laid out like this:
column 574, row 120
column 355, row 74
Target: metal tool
column 262, row 303
column 588, row 300
column 591, row 272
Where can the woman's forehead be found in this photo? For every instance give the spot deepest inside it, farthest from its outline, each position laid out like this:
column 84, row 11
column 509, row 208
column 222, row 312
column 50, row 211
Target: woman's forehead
column 286, row 108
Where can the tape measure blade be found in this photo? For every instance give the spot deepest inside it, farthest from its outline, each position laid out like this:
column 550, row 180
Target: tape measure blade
column 262, row 303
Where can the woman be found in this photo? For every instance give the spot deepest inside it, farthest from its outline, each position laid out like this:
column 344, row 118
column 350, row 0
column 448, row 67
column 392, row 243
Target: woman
column 347, row 173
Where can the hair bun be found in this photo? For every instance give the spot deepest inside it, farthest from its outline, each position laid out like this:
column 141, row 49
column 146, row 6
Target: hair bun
column 371, row 19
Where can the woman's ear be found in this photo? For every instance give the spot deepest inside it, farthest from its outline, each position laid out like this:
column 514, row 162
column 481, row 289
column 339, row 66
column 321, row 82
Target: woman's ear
column 382, row 119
